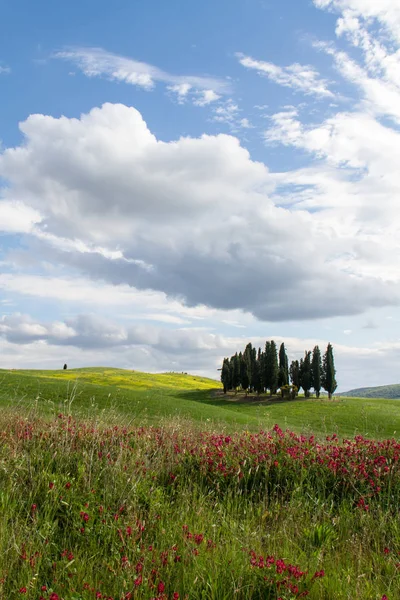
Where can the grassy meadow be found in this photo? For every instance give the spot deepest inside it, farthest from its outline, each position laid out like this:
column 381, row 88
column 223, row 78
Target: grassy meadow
column 124, row 485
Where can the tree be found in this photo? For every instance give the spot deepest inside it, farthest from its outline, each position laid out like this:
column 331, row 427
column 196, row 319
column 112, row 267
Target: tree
column 316, row 370
column 244, row 378
column 295, row 373
column 283, row 375
column 306, row 374
column 257, row 383
column 328, row 378
column 225, row 375
column 271, row 368
column 249, row 358
column 235, row 369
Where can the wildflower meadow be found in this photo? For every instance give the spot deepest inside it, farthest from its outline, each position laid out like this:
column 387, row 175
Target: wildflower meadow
column 96, row 510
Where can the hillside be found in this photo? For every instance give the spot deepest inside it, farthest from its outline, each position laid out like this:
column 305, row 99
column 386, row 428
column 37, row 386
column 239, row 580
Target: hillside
column 382, row 391
column 145, row 398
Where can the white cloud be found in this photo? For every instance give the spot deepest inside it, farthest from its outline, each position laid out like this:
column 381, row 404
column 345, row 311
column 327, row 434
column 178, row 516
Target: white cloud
column 303, row 78
column 16, row 217
column 181, row 90
column 195, row 218
column 206, row 97
column 4, row 70
column 96, row 62
column 386, row 12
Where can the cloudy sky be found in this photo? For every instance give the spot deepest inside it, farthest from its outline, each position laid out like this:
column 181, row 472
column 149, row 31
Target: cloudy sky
column 180, row 178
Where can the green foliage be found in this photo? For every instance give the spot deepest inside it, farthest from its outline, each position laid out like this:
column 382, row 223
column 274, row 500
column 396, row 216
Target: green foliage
column 328, row 378
column 271, row 368
column 306, row 373
column 283, row 375
column 226, row 378
column 294, row 372
column 316, row 370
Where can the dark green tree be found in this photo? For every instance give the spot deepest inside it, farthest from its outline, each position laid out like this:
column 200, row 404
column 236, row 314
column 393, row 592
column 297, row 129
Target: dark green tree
column 271, row 369
column 283, row 375
column 316, row 370
column 257, row 383
column 306, row 373
column 244, row 378
column 235, row 362
column 225, row 375
column 328, row 378
column 295, row 373
column 249, row 358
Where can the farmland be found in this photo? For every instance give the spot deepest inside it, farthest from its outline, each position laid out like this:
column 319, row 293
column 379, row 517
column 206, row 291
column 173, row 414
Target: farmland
column 122, row 485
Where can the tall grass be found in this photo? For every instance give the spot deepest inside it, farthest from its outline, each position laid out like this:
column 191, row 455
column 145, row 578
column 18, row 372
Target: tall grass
column 91, row 509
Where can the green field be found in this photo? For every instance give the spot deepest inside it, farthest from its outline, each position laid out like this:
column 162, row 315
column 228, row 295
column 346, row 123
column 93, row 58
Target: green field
column 147, row 398
column 123, row 485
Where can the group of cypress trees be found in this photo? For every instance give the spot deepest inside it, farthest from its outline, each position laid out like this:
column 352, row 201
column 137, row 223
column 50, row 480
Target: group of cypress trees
column 259, row 371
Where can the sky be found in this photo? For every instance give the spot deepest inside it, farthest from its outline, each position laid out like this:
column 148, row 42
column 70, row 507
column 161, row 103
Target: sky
column 178, row 179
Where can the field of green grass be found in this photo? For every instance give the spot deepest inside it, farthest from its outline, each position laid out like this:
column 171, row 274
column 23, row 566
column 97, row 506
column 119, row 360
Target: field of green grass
column 144, row 397
column 120, row 485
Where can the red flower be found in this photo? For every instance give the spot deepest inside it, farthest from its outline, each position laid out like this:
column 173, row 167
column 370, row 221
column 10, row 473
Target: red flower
column 51, row 485
column 43, row 588
column 67, row 485
column 84, row 516
column 161, row 587
column 54, row 596
column 22, row 590
column 319, row 574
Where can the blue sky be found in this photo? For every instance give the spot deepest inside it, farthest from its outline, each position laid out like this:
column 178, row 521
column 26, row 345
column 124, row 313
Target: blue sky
column 177, row 179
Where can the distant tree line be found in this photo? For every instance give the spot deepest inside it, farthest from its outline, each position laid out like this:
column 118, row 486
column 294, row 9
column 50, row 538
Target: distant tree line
column 268, row 370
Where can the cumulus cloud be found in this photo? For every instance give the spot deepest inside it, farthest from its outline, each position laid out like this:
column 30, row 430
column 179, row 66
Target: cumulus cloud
column 4, row 70
column 193, row 218
column 303, row 78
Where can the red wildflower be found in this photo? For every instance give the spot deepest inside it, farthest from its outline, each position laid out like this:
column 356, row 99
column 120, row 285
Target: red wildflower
column 22, row 590
column 161, row 587
column 84, row 516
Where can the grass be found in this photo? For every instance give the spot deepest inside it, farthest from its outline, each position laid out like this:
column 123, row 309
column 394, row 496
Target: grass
column 150, row 397
column 123, row 485
column 119, row 513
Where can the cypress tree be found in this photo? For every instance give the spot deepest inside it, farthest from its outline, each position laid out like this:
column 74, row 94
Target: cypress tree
column 295, row 373
column 235, row 371
column 271, row 368
column 244, row 378
column 225, row 375
column 306, row 374
column 283, row 376
column 316, row 370
column 249, row 360
column 257, row 384
column 328, row 378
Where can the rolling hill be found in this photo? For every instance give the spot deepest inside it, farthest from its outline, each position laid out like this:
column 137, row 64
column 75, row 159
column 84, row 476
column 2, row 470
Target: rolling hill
column 144, row 398
column 383, row 391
